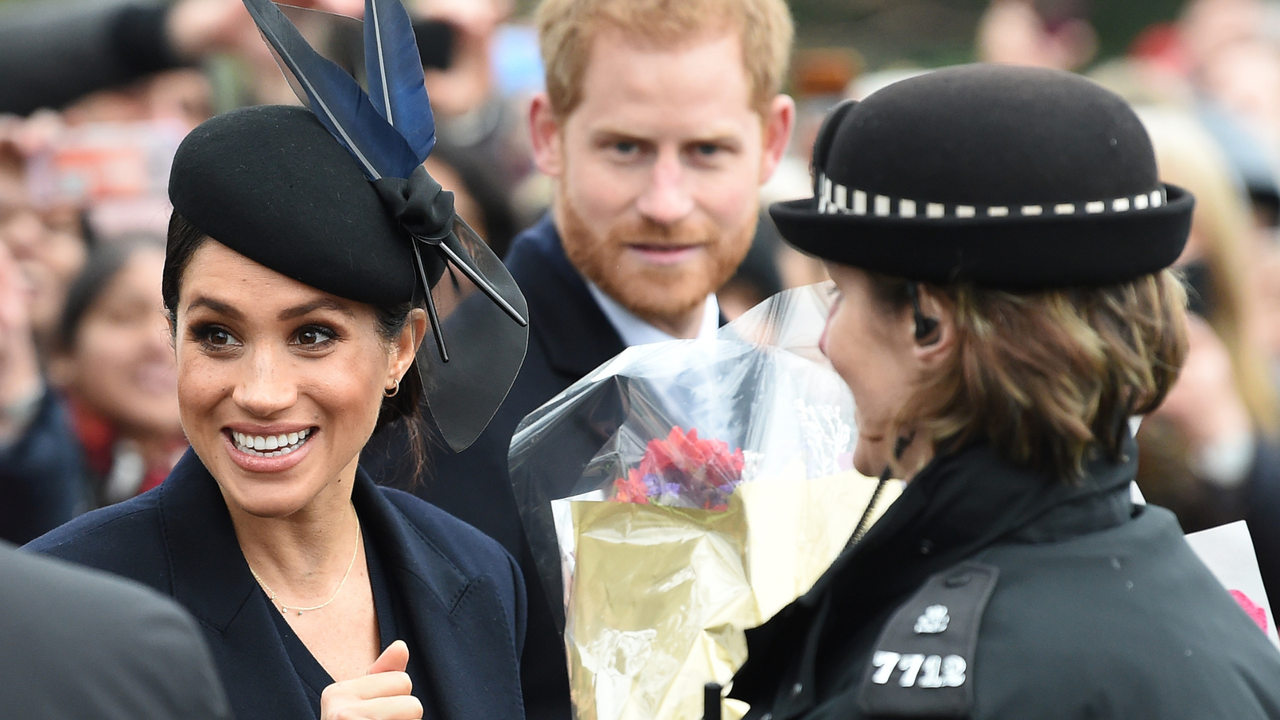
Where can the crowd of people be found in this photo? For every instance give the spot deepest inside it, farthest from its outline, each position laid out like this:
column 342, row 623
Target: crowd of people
column 627, row 196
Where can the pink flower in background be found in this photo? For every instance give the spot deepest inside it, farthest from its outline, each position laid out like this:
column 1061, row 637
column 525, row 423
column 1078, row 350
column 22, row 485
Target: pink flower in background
column 1256, row 613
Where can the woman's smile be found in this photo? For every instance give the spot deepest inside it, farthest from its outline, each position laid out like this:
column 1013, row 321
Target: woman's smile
column 280, row 384
column 270, row 450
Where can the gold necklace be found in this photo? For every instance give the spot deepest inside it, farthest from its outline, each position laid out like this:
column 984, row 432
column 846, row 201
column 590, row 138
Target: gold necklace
column 284, row 609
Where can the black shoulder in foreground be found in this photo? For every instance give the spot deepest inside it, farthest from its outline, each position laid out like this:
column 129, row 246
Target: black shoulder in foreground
column 83, row 644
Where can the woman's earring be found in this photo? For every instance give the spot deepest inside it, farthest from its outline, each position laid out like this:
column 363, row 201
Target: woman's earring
column 391, row 391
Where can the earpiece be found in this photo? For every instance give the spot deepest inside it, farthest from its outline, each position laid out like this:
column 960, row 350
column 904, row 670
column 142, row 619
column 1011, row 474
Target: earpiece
column 900, row 445
column 925, row 325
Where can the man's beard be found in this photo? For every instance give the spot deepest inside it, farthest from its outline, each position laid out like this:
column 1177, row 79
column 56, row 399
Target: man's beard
column 661, row 295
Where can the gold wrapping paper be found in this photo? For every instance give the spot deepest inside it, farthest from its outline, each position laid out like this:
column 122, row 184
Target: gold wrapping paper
column 661, row 597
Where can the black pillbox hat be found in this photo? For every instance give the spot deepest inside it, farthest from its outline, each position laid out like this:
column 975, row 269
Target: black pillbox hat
column 271, row 183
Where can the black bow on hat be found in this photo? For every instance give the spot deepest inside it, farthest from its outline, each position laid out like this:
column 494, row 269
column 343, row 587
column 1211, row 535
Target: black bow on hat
column 1002, row 176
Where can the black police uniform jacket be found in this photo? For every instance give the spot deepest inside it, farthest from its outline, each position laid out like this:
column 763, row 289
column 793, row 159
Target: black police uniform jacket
column 462, row 595
column 987, row 591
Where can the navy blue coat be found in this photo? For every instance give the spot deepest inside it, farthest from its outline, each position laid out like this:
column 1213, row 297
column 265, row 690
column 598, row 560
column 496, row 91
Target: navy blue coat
column 43, row 482
column 463, row 594
column 569, row 336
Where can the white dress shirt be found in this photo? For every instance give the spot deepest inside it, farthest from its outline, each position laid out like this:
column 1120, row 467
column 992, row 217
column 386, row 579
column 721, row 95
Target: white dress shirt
column 635, row 331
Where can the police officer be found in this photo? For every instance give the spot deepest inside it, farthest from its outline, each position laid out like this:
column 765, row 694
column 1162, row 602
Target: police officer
column 999, row 240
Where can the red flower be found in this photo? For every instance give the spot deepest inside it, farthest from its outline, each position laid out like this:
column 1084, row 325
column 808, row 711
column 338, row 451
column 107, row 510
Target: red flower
column 694, row 472
column 698, row 460
column 631, row 489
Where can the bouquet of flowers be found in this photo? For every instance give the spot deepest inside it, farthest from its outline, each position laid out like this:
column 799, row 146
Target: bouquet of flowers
column 682, row 470
column 683, row 493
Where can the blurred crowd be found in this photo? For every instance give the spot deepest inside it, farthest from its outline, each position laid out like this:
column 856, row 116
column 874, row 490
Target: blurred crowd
column 97, row 97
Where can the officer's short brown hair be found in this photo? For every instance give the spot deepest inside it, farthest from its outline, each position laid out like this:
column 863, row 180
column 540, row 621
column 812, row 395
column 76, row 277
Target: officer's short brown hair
column 567, row 30
column 1050, row 377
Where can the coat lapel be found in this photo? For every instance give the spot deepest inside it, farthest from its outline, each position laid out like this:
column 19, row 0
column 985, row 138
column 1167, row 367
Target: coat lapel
column 212, row 580
column 564, row 318
column 454, row 620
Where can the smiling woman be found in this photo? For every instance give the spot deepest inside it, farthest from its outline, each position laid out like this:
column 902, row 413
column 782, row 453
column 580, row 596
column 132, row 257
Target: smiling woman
column 281, row 381
column 295, row 291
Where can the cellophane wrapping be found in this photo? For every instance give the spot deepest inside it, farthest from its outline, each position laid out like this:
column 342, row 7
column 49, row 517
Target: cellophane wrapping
column 685, row 492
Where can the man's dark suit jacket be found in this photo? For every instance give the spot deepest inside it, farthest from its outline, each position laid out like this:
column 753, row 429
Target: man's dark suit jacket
column 85, row 645
column 569, row 336
column 463, row 595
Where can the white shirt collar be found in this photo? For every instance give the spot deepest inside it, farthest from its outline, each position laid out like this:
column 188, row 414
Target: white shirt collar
column 635, row 331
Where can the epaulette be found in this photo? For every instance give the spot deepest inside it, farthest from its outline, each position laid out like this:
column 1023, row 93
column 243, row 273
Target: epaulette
column 922, row 662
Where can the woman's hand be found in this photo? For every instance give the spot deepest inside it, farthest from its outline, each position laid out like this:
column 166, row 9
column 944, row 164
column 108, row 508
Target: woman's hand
column 382, row 694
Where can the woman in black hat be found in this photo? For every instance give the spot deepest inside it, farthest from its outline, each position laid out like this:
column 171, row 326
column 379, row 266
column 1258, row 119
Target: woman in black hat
column 300, row 293
column 999, row 240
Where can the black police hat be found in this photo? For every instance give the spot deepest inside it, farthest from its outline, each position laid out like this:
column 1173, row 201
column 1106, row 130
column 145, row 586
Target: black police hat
column 1001, row 176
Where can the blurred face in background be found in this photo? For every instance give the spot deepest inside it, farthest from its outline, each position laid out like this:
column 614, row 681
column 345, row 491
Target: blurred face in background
column 47, row 244
column 185, row 95
column 120, row 364
column 1208, row 26
column 1014, row 32
column 658, row 169
column 468, row 81
column 1245, row 77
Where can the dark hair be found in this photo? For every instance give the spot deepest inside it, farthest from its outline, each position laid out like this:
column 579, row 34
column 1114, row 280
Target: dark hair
column 105, row 261
column 183, row 242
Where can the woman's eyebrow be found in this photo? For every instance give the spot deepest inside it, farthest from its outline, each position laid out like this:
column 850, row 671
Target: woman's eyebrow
column 217, row 306
column 320, row 304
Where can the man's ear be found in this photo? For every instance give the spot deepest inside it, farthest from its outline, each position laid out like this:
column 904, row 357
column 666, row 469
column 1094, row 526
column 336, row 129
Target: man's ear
column 776, row 134
column 544, row 127
column 931, row 350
